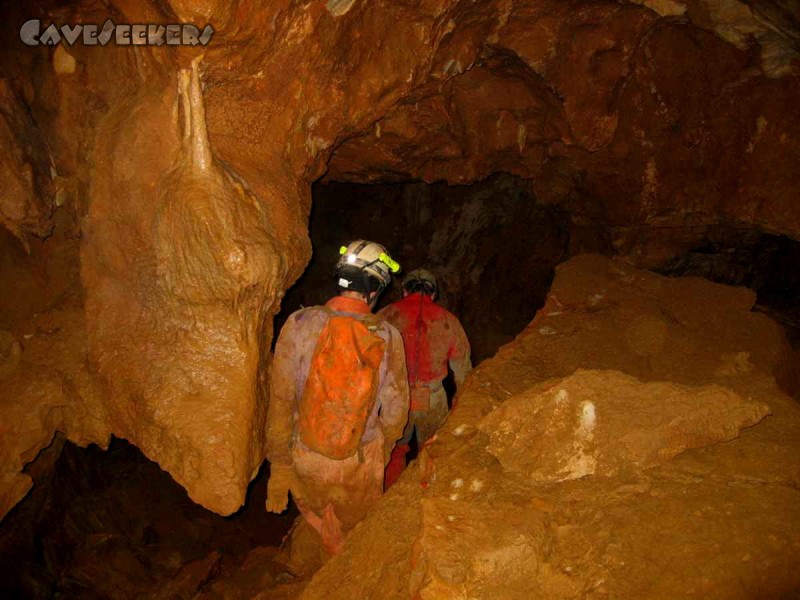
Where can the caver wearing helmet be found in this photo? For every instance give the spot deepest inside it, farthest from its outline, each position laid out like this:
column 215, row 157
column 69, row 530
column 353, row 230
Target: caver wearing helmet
column 364, row 267
column 434, row 341
column 339, row 400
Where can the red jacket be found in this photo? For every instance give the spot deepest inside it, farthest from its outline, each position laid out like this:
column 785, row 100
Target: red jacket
column 432, row 336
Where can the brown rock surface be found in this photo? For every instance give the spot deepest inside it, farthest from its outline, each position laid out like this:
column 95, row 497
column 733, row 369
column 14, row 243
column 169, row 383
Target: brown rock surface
column 190, row 195
column 590, row 102
column 692, row 490
column 605, row 423
column 205, row 260
column 25, row 168
column 46, row 388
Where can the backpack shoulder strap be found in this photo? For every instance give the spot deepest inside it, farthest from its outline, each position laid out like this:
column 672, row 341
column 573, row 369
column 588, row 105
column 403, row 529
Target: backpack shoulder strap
column 372, row 321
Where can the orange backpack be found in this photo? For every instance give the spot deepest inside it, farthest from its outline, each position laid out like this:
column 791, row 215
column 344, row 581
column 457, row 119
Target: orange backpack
column 342, row 386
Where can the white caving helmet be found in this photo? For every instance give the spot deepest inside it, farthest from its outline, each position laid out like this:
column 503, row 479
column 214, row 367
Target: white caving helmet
column 364, row 267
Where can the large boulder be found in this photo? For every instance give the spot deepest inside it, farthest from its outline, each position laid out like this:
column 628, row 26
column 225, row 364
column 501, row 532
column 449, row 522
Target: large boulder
column 606, row 423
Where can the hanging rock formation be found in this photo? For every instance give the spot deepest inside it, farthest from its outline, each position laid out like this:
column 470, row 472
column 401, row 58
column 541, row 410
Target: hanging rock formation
column 175, row 342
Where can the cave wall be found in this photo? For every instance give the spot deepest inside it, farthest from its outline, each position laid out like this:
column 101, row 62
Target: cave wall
column 657, row 127
column 187, row 171
column 767, row 264
column 110, row 523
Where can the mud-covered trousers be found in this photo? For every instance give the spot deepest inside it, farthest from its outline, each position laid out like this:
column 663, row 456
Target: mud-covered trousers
column 334, row 495
column 422, row 425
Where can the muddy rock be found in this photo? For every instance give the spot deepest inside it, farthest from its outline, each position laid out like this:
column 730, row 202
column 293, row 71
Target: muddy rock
column 632, row 442
column 46, row 389
column 28, row 197
column 210, row 259
column 606, row 423
column 10, row 351
column 302, row 553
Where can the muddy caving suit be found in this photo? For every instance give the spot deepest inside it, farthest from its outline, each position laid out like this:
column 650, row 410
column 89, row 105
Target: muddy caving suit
column 334, row 495
column 433, row 338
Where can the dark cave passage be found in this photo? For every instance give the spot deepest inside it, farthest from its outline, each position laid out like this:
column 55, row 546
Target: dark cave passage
column 491, row 245
column 112, row 524
column 767, row 264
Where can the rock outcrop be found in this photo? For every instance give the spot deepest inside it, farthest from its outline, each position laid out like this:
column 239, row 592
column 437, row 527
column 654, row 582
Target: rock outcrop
column 587, row 99
column 559, row 434
column 46, row 388
column 632, row 442
column 174, row 340
column 28, row 199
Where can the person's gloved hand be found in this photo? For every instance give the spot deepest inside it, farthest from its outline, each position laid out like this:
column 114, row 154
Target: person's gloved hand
column 280, row 481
